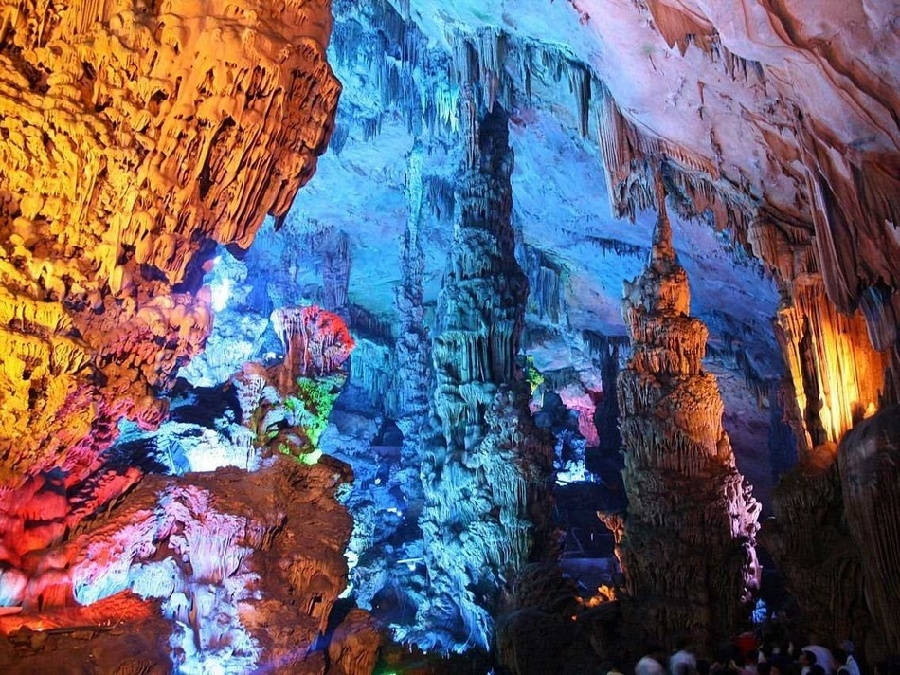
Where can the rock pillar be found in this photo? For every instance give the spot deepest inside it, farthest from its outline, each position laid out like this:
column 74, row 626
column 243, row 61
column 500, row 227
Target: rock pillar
column 485, row 474
column 687, row 547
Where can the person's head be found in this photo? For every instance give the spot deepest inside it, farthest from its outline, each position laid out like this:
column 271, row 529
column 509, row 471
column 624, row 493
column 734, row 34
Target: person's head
column 682, row 643
column 808, row 658
column 840, row 656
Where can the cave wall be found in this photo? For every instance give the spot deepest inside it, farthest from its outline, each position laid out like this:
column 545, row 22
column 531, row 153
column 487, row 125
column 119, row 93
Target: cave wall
column 133, row 139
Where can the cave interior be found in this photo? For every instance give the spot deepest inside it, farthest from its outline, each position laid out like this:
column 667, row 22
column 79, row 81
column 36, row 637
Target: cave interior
column 475, row 337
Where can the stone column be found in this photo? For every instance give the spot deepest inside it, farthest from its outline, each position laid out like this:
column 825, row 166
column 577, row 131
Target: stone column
column 485, row 472
column 687, row 545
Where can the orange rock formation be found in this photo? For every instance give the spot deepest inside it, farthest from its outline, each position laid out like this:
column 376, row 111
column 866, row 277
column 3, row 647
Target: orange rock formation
column 687, row 541
column 133, row 135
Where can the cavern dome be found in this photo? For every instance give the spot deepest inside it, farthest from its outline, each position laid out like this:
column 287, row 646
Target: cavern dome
column 479, row 336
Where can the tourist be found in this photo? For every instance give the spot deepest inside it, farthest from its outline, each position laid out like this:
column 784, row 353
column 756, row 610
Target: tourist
column 844, row 659
column 823, row 658
column 751, row 663
column 651, row 664
column 682, row 661
column 808, row 659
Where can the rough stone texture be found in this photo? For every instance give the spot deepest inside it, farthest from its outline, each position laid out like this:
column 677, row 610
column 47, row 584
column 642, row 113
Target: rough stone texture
column 402, row 91
column 771, row 120
column 485, row 473
column 837, row 378
column 246, row 565
column 687, row 541
column 133, row 137
column 354, row 645
column 780, row 126
column 816, row 553
column 85, row 641
column 869, row 461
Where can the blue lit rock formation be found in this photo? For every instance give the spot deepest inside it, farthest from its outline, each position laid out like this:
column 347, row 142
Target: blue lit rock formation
column 486, row 470
column 687, row 540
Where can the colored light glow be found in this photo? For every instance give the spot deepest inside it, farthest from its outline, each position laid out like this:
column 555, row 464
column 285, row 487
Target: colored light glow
column 220, row 292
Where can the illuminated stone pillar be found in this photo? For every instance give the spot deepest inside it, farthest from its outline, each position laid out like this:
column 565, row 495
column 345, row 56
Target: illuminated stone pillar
column 485, row 471
column 687, row 542
column 836, row 379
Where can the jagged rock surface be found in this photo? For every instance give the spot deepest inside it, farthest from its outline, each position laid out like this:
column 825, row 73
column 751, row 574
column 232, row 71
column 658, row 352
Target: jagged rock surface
column 687, row 547
column 132, row 142
column 247, row 566
column 134, row 137
column 770, row 120
column 815, row 551
column 485, row 472
column 869, row 461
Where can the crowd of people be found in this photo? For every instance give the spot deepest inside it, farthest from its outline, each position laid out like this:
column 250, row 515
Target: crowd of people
column 766, row 659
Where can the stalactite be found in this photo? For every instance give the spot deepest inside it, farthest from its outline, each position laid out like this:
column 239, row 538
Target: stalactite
column 372, row 369
column 370, row 325
column 384, row 43
column 547, row 285
column 829, row 356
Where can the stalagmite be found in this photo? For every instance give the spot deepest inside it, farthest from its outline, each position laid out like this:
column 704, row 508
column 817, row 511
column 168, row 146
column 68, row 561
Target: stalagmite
column 869, row 460
column 687, row 548
column 485, row 471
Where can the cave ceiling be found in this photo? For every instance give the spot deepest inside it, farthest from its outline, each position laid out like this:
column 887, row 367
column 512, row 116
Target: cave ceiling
column 555, row 67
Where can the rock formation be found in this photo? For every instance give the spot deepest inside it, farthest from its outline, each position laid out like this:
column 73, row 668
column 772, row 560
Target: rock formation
column 816, row 553
column 247, row 566
column 836, row 379
column 135, row 137
column 485, row 473
column 869, row 461
column 687, row 547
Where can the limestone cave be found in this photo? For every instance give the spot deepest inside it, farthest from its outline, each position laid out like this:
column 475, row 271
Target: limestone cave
column 480, row 336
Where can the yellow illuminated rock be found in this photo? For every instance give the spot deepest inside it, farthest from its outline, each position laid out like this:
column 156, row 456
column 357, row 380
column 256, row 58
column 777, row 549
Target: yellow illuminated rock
column 133, row 135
